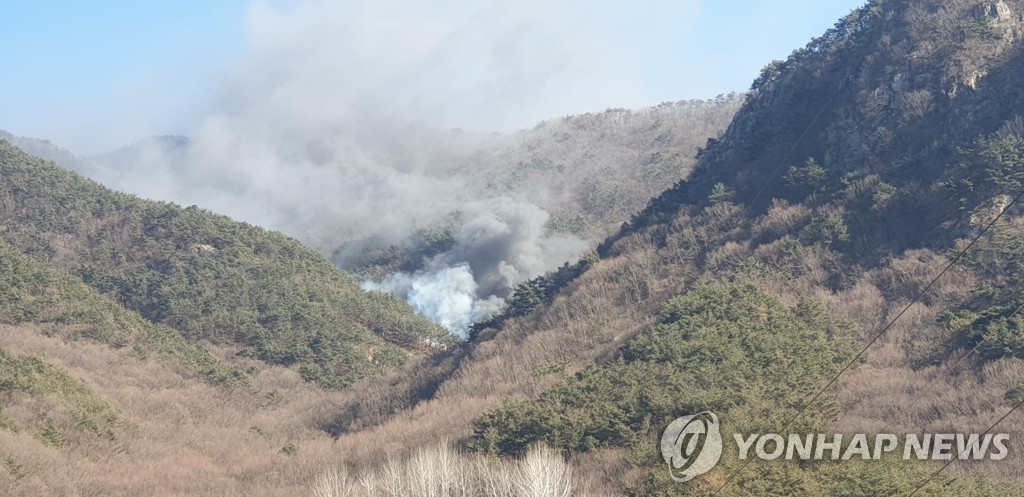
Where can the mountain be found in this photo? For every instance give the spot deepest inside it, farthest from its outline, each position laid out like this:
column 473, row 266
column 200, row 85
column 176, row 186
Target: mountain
column 129, row 161
column 863, row 198
column 133, row 332
column 892, row 94
column 206, row 276
column 852, row 176
column 46, row 149
column 141, row 336
column 590, row 172
column 466, row 215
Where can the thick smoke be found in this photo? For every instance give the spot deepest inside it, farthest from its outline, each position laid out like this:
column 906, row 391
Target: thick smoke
column 337, row 127
column 447, row 294
column 339, row 123
column 500, row 246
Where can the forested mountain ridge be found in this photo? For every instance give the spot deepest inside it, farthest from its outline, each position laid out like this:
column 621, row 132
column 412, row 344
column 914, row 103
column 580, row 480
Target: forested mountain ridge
column 208, row 277
column 590, row 172
column 851, row 177
column 45, row 149
column 895, row 93
column 142, row 336
column 542, row 194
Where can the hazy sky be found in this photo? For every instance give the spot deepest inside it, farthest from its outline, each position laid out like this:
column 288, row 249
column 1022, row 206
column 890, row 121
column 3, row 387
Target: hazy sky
column 92, row 76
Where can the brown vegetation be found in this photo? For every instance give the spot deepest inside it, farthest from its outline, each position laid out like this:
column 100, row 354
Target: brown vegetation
column 832, row 237
column 442, row 471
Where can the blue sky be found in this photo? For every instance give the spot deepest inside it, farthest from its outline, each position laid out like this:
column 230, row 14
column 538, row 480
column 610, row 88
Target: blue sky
column 94, row 75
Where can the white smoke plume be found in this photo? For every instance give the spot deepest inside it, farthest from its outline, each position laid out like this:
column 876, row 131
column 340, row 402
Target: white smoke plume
column 337, row 127
column 502, row 245
column 447, row 294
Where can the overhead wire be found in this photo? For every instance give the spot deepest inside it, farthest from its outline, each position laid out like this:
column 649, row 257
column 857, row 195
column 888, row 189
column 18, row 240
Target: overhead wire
column 812, row 398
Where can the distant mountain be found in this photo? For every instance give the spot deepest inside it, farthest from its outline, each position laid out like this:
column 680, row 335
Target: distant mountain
column 107, row 166
column 46, row 149
column 104, row 167
column 591, row 172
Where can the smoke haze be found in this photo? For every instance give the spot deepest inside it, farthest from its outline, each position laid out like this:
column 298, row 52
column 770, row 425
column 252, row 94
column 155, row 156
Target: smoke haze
column 337, row 126
column 501, row 245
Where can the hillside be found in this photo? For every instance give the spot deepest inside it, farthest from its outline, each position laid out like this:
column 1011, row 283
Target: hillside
column 405, row 205
column 895, row 94
column 45, row 149
column 593, row 171
column 851, row 177
column 863, row 198
column 207, row 277
column 117, row 298
column 590, row 172
column 35, row 294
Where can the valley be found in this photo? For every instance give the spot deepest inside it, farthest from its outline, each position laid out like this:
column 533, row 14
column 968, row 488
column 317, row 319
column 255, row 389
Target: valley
column 838, row 250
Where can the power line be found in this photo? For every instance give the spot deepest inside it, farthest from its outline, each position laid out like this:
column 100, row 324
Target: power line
column 864, row 350
column 952, row 459
column 989, row 430
column 953, row 367
column 785, row 158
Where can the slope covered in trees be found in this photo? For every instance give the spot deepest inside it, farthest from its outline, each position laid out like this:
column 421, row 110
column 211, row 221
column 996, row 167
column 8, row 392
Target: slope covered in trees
column 209, row 278
column 725, row 347
column 590, row 172
column 901, row 99
column 853, row 175
column 129, row 297
column 32, row 293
